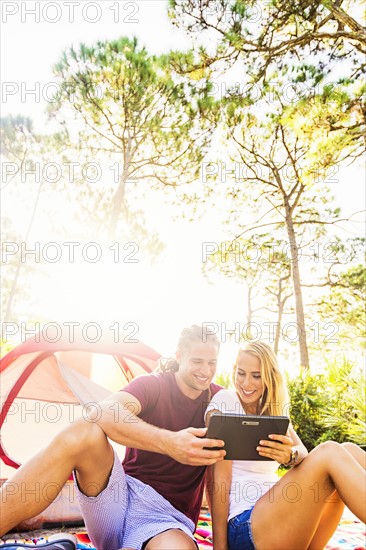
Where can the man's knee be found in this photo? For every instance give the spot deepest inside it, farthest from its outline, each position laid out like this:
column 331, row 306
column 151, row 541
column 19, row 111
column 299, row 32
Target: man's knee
column 81, row 437
column 92, row 456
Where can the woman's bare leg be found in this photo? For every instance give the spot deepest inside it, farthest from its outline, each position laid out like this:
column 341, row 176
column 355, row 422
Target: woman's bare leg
column 334, row 507
column 288, row 516
column 329, row 520
column 173, row 538
column 82, row 446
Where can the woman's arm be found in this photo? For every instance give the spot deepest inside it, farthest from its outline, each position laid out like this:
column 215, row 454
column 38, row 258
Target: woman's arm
column 219, row 485
column 280, row 447
column 298, row 446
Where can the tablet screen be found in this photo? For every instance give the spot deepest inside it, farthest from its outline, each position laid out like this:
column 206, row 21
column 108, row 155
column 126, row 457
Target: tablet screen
column 242, row 433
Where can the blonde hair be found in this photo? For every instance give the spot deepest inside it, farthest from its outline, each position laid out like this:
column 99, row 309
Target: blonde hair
column 275, row 396
column 189, row 335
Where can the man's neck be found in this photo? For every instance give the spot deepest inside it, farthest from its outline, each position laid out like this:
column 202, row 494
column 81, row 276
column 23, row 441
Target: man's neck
column 192, row 393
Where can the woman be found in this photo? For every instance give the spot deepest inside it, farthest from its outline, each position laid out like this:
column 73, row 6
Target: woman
column 251, row 507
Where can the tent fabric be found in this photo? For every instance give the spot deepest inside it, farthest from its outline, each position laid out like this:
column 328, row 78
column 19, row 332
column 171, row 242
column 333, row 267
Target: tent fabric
column 13, row 371
column 45, row 385
column 65, row 373
column 83, row 389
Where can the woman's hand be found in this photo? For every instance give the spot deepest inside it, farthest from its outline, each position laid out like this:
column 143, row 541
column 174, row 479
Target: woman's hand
column 279, row 448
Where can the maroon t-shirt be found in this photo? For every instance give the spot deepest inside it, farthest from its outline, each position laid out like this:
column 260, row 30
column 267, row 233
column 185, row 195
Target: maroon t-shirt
column 164, row 405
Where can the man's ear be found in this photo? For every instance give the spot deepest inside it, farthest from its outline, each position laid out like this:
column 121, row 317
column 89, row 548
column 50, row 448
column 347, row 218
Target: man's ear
column 178, row 356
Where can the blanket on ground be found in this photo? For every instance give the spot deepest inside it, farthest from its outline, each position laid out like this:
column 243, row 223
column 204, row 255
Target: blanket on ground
column 350, row 535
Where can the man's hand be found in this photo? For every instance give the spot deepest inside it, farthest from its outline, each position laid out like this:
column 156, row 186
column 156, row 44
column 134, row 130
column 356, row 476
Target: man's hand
column 187, row 447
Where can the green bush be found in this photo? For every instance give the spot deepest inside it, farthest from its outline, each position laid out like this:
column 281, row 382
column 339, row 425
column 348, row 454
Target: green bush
column 327, row 406
column 223, row 379
column 330, row 405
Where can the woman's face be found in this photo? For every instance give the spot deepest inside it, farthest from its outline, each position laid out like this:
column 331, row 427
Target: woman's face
column 248, row 380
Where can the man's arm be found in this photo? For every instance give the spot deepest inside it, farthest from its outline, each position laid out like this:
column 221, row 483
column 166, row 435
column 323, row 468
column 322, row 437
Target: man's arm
column 118, row 417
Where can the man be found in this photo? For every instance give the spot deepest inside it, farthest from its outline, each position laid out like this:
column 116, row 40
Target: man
column 153, row 501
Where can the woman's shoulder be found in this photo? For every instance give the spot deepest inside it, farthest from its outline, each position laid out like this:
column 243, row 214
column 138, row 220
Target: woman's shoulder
column 224, row 392
column 226, row 401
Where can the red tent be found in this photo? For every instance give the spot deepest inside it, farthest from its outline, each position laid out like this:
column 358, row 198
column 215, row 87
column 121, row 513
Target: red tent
column 46, row 385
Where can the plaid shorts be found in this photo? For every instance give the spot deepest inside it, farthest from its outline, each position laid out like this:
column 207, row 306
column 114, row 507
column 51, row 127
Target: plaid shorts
column 128, row 513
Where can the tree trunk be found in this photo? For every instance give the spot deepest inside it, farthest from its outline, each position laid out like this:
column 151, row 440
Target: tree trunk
column 119, row 197
column 299, row 306
column 278, row 331
column 280, row 308
column 118, row 201
column 10, row 300
column 249, row 306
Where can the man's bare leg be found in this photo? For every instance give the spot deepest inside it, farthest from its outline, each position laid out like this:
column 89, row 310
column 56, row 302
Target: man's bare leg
column 82, row 446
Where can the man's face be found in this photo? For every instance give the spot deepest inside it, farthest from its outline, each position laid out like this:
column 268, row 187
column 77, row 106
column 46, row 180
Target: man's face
column 197, row 367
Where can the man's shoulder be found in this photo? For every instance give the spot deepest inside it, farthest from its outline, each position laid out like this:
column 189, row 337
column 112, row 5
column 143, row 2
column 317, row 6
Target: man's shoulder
column 155, row 378
column 147, row 388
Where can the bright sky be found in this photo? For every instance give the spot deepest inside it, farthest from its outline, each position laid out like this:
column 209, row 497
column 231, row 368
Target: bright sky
column 161, row 298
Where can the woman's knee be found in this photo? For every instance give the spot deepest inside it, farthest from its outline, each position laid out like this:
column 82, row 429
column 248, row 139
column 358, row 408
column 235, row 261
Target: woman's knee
column 328, row 446
column 326, row 450
column 350, row 446
column 173, row 538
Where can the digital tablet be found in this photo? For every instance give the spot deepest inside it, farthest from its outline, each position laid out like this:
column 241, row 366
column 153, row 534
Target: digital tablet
column 242, row 433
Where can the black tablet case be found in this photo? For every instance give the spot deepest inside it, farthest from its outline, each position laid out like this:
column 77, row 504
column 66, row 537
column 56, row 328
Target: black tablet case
column 242, row 433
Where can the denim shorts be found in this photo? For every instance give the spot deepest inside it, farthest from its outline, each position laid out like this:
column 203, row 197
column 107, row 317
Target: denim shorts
column 128, row 513
column 239, row 531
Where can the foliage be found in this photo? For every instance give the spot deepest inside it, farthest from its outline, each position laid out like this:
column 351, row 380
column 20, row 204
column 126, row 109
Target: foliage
column 329, row 405
column 345, row 304
column 132, row 108
column 346, row 412
column 30, row 156
column 273, row 34
column 299, row 113
column 284, row 162
column 224, row 379
column 261, row 265
column 326, row 406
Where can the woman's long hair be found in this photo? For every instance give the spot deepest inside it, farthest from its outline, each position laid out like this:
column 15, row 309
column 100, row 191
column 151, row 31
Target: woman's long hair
column 275, row 400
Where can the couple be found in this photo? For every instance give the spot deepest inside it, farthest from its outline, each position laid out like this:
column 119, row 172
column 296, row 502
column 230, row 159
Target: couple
column 153, row 501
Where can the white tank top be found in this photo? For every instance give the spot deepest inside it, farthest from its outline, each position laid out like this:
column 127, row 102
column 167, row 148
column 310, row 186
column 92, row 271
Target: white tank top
column 250, row 478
